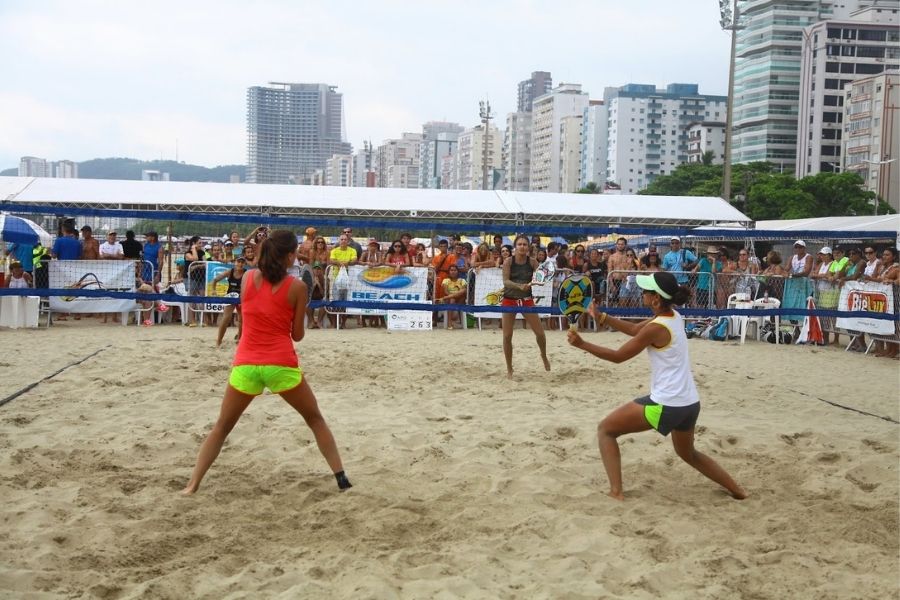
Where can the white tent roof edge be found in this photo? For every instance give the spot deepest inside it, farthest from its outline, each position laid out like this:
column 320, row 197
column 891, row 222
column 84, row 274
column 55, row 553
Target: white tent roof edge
column 559, row 209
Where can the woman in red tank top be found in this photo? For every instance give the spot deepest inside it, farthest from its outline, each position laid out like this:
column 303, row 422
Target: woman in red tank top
column 273, row 305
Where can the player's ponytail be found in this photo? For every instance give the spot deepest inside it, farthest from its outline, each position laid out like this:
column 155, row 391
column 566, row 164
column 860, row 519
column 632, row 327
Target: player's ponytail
column 272, row 253
column 679, row 298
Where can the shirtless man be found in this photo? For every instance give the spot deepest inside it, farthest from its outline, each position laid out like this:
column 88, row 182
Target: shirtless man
column 306, row 246
column 90, row 247
column 617, row 264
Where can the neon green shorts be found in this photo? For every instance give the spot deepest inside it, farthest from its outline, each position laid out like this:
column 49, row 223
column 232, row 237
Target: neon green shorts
column 253, row 379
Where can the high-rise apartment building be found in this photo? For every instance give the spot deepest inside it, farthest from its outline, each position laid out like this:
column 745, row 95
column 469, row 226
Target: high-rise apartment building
column 539, row 84
column 31, row 166
column 594, row 143
column 565, row 100
column 439, row 139
column 65, row 169
column 517, row 151
column 292, row 129
column 362, row 172
column 339, row 170
column 397, row 161
column 837, row 52
column 647, row 134
column 469, row 158
column 570, row 131
column 767, row 75
column 703, row 137
column 871, row 144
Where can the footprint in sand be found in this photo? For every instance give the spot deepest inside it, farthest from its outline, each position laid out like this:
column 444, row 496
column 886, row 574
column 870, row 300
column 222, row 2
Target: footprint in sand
column 566, row 432
column 876, row 446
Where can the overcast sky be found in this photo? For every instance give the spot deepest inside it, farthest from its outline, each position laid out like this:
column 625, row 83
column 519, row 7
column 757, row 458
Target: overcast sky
column 92, row 79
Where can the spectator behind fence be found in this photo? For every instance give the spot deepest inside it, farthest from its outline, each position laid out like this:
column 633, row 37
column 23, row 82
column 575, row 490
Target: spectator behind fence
column 617, row 264
column 153, row 258
column 111, row 249
column 872, row 271
column 454, row 293
column 304, row 252
column 348, row 231
column 797, row 288
column 630, row 291
column 249, row 253
column 462, row 257
column 234, row 275
column 595, row 268
column 90, row 247
column 483, row 257
column 441, row 263
column 67, row 246
column 826, row 290
column 745, row 272
column 855, row 267
column 578, row 259
column 237, row 247
column 421, row 256
column 397, row 255
column 505, row 252
column 131, row 248
column 890, row 275
column 195, row 278
column 704, row 269
column 541, row 256
column 17, row 278
column 650, row 261
column 228, row 252
column 772, row 278
column 371, row 256
column 406, row 240
column 678, row 260
column 498, row 244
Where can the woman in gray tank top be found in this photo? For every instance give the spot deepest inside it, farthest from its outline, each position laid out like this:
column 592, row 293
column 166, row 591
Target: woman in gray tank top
column 517, row 273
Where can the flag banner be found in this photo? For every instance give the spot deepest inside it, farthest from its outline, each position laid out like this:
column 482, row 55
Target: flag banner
column 489, row 292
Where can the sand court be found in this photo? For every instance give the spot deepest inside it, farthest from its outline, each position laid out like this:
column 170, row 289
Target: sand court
column 465, row 484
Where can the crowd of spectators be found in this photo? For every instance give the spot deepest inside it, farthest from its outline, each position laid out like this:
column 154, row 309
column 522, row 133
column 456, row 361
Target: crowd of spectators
column 714, row 275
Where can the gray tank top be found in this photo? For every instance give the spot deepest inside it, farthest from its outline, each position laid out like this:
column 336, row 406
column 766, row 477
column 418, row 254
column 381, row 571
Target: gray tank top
column 519, row 273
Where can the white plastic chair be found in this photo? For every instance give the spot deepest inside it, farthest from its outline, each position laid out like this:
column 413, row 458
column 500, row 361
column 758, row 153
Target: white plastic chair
column 735, row 299
column 757, row 322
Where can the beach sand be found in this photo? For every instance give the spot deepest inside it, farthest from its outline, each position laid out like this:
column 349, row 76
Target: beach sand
column 466, row 485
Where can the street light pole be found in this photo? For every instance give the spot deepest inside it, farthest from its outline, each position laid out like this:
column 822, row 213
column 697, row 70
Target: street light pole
column 484, row 111
column 730, row 15
column 877, row 163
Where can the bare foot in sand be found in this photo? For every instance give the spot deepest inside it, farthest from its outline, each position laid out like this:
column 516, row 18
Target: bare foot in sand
column 190, row 489
column 616, row 496
column 546, row 363
column 739, row 493
column 509, row 374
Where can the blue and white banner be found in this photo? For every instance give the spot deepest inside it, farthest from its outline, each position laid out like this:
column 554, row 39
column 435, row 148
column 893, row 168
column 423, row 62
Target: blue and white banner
column 385, row 284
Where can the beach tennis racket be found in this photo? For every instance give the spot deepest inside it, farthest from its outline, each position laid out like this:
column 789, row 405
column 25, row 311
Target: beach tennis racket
column 544, row 273
column 574, row 297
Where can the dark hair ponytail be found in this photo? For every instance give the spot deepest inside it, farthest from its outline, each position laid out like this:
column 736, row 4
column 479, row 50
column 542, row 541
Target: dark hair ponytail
column 679, row 298
column 272, row 252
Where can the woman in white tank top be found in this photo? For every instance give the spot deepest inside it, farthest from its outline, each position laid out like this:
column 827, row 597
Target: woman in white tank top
column 673, row 403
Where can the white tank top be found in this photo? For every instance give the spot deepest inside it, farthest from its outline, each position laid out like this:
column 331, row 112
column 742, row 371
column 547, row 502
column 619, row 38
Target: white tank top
column 671, row 380
column 798, row 263
column 870, row 268
column 19, row 283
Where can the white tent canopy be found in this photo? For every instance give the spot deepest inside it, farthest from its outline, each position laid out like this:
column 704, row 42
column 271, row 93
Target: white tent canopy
column 406, row 205
column 844, row 224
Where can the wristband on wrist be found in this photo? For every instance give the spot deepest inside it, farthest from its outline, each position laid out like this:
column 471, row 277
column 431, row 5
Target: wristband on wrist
column 603, row 317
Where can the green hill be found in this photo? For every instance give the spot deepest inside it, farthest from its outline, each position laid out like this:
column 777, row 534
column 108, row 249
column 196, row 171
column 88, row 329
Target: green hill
column 130, row 168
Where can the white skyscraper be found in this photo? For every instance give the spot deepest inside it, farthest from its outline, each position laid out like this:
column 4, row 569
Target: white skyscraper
column 837, row 52
column 397, row 161
column 565, row 100
column 570, row 130
column 439, row 139
column 339, row 170
column 517, row 151
column 647, row 129
column 31, row 166
column 469, row 158
column 594, row 142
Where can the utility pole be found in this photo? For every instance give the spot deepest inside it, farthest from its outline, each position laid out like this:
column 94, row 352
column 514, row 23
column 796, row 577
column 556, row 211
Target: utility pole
column 484, row 111
column 729, row 21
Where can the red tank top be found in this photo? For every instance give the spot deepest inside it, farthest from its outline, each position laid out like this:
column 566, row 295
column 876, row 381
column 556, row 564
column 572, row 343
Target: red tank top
column 268, row 320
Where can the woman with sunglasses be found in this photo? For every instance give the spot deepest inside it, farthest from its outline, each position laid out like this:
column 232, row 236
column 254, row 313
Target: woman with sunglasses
column 318, row 259
column 673, row 404
column 397, row 255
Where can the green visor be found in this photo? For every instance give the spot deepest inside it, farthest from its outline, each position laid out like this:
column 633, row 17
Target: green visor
column 648, row 282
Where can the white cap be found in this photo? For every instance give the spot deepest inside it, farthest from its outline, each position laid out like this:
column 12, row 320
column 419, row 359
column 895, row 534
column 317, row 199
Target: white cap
column 675, row 238
column 800, row 243
column 825, row 250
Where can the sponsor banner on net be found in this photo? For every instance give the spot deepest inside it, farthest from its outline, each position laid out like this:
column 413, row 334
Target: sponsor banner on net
column 868, row 296
column 489, row 292
column 386, row 284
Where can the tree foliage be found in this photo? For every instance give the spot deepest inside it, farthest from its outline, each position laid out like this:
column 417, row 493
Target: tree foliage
column 763, row 194
column 590, row 188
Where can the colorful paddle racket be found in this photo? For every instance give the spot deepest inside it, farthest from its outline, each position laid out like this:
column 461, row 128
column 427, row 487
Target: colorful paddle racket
column 574, row 298
column 544, row 273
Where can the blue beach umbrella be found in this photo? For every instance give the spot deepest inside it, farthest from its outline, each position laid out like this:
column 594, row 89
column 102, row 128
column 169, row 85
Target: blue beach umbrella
column 17, row 230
